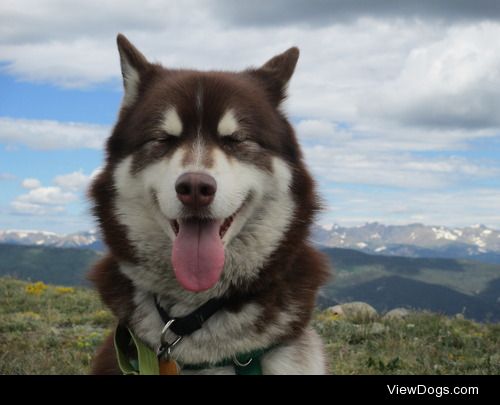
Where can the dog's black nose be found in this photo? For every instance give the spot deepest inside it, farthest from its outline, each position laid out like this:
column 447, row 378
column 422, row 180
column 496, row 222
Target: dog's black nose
column 195, row 190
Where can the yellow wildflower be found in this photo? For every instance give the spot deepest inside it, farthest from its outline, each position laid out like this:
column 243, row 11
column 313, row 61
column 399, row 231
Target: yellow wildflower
column 30, row 315
column 36, row 288
column 65, row 290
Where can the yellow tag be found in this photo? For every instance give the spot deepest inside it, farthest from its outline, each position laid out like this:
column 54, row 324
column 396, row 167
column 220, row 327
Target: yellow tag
column 169, row 367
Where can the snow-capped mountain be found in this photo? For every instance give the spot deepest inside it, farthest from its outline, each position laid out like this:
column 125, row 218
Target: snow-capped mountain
column 88, row 239
column 414, row 240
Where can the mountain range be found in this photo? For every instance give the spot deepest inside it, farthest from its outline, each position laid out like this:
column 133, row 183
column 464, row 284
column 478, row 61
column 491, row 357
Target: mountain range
column 449, row 270
column 476, row 242
column 83, row 240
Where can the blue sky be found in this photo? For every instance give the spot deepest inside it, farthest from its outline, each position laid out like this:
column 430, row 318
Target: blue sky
column 25, row 100
column 398, row 111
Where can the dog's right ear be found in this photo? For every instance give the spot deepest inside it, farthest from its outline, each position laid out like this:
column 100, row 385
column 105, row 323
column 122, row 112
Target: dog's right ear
column 134, row 65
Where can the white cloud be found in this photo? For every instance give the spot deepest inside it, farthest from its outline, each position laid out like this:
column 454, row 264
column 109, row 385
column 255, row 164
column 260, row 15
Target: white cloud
column 322, row 131
column 75, row 64
column 42, row 201
column 448, row 83
column 76, row 181
column 50, row 20
column 31, row 183
column 27, row 208
column 47, row 196
column 46, row 200
column 370, row 70
column 367, row 71
column 7, row 176
column 348, row 164
column 345, row 155
column 73, row 45
column 45, row 134
column 315, row 128
column 454, row 208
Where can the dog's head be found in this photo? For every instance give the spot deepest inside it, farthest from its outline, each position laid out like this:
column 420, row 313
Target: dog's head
column 204, row 175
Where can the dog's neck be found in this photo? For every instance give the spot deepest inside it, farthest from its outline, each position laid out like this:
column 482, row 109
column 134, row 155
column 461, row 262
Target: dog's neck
column 276, row 307
column 225, row 333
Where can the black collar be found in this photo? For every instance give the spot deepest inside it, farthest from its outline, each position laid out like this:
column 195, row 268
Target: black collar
column 188, row 324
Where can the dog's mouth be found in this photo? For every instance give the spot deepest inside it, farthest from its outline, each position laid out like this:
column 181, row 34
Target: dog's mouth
column 222, row 230
column 198, row 250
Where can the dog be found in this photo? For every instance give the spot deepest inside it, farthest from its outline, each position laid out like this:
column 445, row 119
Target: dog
column 205, row 205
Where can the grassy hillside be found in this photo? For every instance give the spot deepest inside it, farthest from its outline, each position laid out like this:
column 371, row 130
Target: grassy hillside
column 439, row 285
column 469, row 277
column 52, row 265
column 55, row 330
column 386, row 293
column 47, row 329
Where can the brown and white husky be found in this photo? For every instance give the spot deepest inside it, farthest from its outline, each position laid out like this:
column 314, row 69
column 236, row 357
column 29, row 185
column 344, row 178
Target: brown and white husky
column 205, row 197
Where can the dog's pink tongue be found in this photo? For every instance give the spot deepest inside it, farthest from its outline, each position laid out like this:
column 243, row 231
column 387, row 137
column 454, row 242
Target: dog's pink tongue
column 198, row 254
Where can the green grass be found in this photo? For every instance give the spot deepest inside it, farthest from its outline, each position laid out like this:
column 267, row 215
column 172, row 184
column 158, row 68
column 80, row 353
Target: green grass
column 422, row 343
column 57, row 332
column 51, row 333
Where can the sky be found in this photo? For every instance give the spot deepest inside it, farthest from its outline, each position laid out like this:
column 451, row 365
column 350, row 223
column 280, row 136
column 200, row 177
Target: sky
column 396, row 104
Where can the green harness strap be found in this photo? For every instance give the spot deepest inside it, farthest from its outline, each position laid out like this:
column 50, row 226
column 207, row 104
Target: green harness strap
column 244, row 364
column 146, row 362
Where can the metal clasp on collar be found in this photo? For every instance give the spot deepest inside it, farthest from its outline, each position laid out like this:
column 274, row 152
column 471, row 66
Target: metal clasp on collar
column 240, row 364
column 166, row 346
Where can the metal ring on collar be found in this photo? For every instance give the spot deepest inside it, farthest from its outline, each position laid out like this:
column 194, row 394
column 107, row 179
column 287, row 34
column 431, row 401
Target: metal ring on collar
column 240, row 364
column 164, row 344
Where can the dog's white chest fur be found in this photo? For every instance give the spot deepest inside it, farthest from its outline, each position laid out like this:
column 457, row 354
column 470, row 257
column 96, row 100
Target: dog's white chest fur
column 226, row 334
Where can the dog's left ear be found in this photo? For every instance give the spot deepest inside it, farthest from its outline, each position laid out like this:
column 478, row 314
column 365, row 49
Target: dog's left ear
column 276, row 73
